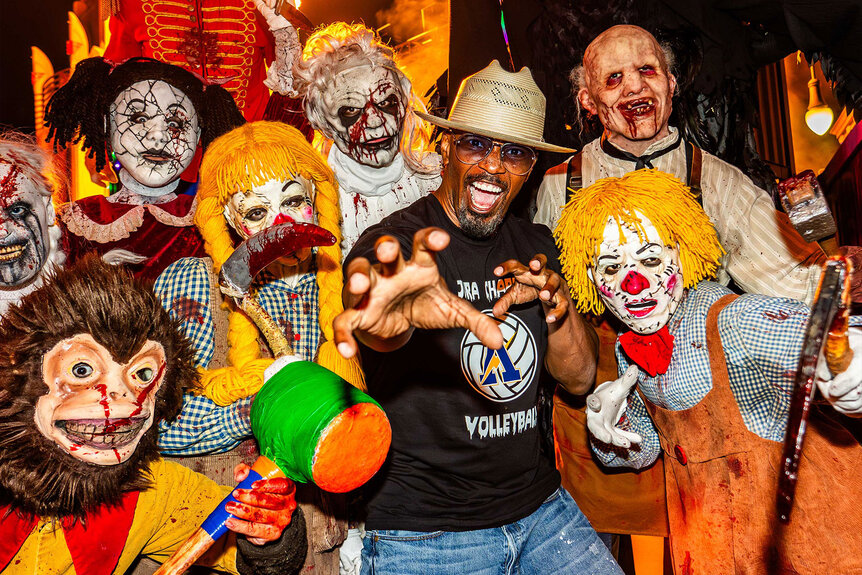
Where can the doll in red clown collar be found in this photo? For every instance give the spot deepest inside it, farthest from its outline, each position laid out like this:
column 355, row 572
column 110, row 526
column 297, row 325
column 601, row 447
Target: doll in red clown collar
column 706, row 378
column 153, row 117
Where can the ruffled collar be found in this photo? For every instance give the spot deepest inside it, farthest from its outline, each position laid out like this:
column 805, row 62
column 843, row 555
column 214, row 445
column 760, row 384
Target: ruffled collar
column 365, row 180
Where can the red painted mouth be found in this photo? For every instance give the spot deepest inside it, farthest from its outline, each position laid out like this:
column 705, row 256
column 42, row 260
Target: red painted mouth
column 641, row 308
column 157, row 157
column 102, row 433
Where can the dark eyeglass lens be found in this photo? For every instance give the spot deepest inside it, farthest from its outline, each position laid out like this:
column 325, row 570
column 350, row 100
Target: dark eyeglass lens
column 472, row 149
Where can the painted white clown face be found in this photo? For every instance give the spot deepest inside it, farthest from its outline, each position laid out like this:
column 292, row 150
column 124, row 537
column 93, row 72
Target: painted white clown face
column 97, row 409
column 24, row 222
column 365, row 110
column 640, row 280
column 274, row 202
column 154, row 132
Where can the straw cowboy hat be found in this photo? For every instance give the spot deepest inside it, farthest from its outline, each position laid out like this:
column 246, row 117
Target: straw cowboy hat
column 502, row 105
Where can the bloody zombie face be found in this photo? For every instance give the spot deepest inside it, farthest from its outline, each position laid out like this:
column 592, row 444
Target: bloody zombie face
column 477, row 196
column 24, row 225
column 365, row 110
column 274, row 202
column 639, row 279
column 154, row 132
column 97, row 409
column 628, row 87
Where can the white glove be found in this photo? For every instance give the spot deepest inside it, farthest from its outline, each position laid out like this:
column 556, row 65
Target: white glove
column 844, row 391
column 119, row 256
column 605, row 407
column 274, row 20
column 350, row 553
column 277, row 364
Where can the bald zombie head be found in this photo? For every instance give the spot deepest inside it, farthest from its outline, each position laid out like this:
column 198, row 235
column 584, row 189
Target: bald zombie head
column 627, row 83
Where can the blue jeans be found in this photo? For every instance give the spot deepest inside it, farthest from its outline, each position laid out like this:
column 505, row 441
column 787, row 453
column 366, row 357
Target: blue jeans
column 556, row 538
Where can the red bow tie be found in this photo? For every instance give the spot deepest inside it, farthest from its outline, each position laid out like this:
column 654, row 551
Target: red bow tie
column 651, row 352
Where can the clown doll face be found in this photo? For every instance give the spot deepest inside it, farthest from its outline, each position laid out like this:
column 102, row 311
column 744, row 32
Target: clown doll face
column 277, row 201
column 640, row 279
column 154, row 132
column 365, row 110
column 24, row 223
column 628, row 87
column 97, row 409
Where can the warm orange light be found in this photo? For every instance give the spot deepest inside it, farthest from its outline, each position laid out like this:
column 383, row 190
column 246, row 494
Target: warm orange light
column 818, row 116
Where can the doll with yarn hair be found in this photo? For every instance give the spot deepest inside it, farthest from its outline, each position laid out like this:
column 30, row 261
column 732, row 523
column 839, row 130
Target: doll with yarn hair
column 256, row 176
column 148, row 119
column 364, row 105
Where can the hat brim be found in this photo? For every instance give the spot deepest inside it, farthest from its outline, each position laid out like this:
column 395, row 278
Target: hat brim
column 537, row 144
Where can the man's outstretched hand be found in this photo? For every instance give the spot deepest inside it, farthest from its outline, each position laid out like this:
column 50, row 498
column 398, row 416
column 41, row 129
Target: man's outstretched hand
column 385, row 301
column 531, row 282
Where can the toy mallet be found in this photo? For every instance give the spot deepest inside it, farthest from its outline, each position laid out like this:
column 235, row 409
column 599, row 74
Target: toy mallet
column 311, row 425
column 805, row 205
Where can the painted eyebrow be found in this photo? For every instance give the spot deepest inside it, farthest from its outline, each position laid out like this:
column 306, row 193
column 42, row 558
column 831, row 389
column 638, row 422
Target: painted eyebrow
column 646, row 247
column 607, row 258
column 287, row 184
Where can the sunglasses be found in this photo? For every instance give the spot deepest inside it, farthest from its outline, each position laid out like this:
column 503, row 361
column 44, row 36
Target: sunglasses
column 516, row 158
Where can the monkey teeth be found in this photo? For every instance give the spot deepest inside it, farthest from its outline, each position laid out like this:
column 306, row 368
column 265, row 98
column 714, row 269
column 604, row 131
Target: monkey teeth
column 11, row 252
column 104, row 433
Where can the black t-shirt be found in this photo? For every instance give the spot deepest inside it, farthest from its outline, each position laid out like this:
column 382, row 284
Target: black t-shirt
column 465, row 437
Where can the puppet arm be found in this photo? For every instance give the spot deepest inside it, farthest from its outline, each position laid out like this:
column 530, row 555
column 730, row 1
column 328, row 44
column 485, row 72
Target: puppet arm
column 203, row 427
column 279, row 76
column 844, row 390
column 634, row 420
column 765, row 254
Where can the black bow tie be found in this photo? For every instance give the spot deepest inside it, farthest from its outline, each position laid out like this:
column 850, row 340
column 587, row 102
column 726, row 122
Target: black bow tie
column 640, row 161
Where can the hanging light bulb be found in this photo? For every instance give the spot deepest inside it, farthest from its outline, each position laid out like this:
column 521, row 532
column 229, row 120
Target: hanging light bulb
column 819, row 116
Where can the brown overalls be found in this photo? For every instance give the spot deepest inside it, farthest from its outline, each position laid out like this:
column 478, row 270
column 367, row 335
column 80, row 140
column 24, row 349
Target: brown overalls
column 721, row 489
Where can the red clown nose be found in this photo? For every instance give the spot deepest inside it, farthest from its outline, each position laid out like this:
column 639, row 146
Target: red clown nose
column 634, row 283
column 283, row 219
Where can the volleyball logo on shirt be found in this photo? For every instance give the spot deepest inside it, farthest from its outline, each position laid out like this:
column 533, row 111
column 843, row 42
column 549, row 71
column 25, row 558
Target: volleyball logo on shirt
column 500, row 374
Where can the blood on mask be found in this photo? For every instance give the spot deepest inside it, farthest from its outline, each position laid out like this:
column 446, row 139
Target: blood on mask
column 24, row 225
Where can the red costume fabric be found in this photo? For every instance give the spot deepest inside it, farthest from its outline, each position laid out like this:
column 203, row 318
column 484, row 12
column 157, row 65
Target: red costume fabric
column 162, row 232
column 652, row 352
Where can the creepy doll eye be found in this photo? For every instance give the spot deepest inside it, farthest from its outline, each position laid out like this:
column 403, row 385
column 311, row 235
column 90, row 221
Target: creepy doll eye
column 255, row 215
column 651, row 262
column 145, row 374
column 611, row 269
column 81, row 370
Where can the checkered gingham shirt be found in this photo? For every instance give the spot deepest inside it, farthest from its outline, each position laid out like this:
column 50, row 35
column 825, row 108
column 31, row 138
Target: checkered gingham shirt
column 184, row 288
column 762, row 340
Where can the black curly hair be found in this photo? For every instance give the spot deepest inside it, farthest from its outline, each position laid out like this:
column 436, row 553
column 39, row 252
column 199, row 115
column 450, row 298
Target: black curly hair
column 122, row 314
column 80, row 109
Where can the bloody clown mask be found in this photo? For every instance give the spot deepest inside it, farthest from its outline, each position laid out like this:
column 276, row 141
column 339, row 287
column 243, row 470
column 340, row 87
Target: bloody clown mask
column 24, row 222
column 365, row 110
column 154, row 132
column 273, row 202
column 628, row 86
column 97, row 409
column 639, row 278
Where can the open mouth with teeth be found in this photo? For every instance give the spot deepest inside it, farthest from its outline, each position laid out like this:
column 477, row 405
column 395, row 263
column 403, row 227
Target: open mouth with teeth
column 382, row 143
column 9, row 253
column 641, row 308
column 102, row 433
column 484, row 194
column 639, row 107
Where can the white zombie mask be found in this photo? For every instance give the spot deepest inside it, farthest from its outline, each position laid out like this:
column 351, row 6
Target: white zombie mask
column 24, row 222
column 154, row 132
column 639, row 280
column 365, row 110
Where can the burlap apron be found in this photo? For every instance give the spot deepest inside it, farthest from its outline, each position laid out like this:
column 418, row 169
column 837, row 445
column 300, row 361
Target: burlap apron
column 615, row 500
column 722, row 483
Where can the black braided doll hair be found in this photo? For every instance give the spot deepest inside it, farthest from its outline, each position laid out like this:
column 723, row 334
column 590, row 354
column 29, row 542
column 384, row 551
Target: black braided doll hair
column 79, row 110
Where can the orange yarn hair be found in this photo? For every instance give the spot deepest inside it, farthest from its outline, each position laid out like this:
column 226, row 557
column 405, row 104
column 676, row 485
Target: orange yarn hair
column 235, row 162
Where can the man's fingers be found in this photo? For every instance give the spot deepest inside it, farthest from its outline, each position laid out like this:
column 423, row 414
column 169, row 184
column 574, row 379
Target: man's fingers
column 358, row 274
column 252, row 530
column 342, row 328
column 426, row 242
column 388, row 252
column 538, row 262
column 482, row 326
column 513, row 267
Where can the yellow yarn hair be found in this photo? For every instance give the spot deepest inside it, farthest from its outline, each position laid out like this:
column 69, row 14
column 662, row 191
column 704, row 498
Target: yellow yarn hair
column 662, row 199
column 245, row 157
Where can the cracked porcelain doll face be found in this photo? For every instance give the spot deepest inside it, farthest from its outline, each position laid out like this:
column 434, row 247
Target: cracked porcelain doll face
column 365, row 110
column 275, row 202
column 154, row 132
column 97, row 409
column 24, row 225
column 640, row 280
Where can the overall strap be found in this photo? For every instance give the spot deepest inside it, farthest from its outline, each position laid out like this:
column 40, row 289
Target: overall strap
column 693, row 169
column 574, row 178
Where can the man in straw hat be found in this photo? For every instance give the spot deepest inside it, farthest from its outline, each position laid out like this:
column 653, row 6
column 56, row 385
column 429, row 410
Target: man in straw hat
column 466, row 489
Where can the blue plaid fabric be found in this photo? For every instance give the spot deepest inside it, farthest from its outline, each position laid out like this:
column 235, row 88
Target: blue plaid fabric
column 184, row 288
column 762, row 340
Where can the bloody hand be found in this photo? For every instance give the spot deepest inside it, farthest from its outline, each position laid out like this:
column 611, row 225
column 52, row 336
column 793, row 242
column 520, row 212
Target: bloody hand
column 854, row 253
column 264, row 510
column 535, row 281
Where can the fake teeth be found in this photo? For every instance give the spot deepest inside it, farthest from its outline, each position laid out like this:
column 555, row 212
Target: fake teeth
column 639, row 107
column 641, row 308
column 102, row 433
column 10, row 252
